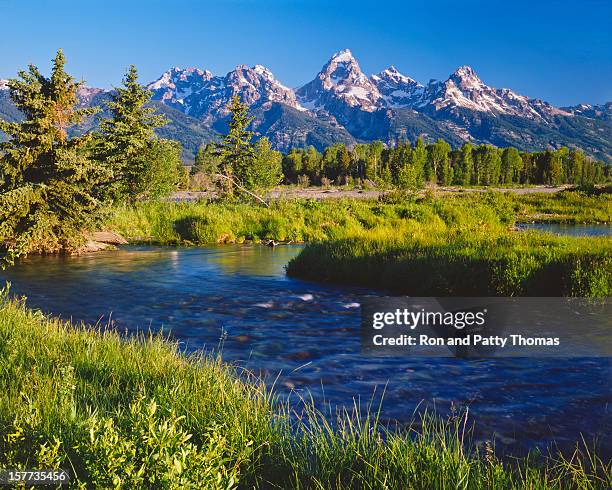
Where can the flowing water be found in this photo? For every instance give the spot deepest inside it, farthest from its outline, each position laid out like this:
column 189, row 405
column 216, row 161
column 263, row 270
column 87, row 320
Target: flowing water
column 307, row 335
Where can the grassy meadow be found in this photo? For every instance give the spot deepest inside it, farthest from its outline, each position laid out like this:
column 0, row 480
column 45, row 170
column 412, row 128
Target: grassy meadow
column 136, row 413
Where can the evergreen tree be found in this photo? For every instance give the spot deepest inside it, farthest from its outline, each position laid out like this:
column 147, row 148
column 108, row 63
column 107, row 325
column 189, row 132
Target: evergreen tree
column 418, row 157
column 236, row 149
column 343, row 164
column 126, row 146
column 47, row 179
column 552, row 169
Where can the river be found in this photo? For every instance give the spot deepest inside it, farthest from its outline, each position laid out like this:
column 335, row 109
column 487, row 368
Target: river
column 238, row 298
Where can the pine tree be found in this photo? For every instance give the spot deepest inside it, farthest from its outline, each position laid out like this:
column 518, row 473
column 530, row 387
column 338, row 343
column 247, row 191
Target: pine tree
column 127, row 139
column 236, row 149
column 47, row 178
column 343, row 164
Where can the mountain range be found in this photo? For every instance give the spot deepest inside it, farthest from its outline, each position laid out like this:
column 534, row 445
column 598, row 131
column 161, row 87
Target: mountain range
column 342, row 104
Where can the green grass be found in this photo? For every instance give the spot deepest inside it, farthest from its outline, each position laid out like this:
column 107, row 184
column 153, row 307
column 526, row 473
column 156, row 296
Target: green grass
column 299, row 220
column 465, row 246
column 170, row 223
column 432, row 245
column 565, row 207
column 136, row 413
column 459, row 263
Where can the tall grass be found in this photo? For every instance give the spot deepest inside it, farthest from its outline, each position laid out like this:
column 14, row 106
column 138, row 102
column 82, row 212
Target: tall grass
column 433, row 245
column 309, row 220
column 136, row 413
column 459, row 263
column 300, row 220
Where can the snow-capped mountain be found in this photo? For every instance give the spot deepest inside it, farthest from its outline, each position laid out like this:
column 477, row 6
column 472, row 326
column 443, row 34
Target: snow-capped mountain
column 465, row 90
column 397, row 90
column 200, row 94
column 342, row 104
column 340, row 83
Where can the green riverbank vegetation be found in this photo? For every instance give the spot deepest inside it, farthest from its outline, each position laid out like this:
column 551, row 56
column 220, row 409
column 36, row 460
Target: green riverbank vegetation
column 136, row 413
column 396, row 214
column 463, row 263
column 55, row 183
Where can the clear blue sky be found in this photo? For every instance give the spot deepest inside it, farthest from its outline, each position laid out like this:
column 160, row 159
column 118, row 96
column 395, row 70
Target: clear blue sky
column 560, row 50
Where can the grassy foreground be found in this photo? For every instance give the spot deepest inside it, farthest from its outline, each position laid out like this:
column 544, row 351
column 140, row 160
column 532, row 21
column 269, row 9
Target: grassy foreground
column 135, row 413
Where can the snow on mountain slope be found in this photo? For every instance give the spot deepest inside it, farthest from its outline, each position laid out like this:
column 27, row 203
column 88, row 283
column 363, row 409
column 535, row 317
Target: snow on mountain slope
column 340, row 83
column 200, row 94
column 464, row 89
column 397, row 90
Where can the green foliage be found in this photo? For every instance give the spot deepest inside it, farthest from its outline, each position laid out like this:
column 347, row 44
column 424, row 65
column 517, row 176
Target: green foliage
column 141, row 165
column 48, row 182
column 236, row 149
column 136, row 413
column 207, row 160
column 409, row 167
column 266, row 170
column 164, row 171
column 448, row 264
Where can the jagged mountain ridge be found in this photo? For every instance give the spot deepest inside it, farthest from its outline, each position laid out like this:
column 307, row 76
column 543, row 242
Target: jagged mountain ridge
column 342, row 104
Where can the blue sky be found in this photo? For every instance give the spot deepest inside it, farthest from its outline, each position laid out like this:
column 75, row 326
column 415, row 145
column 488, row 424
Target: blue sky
column 560, row 51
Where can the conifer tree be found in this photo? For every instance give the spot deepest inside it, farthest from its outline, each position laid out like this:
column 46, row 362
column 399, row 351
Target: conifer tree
column 47, row 179
column 126, row 146
column 236, row 149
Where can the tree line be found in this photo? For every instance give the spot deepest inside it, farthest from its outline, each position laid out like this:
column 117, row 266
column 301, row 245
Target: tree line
column 409, row 165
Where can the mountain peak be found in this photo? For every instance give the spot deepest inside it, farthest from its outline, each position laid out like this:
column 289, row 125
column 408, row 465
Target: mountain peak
column 4, row 85
column 396, row 89
column 465, row 73
column 393, row 74
column 342, row 56
column 341, row 81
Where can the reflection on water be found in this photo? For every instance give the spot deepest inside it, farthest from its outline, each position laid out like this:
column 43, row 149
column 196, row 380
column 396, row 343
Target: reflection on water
column 310, row 334
column 568, row 229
